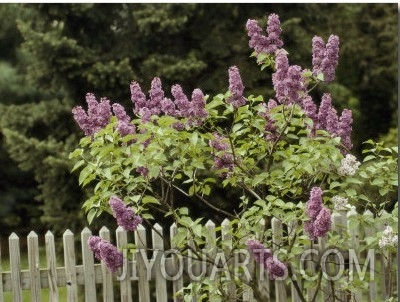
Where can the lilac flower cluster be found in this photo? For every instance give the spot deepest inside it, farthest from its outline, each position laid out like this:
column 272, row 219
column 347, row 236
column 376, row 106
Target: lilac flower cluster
column 320, row 216
column 325, row 58
column 388, row 239
column 288, row 81
column 349, row 165
column 270, row 127
column 263, row 256
column 226, row 160
column 125, row 216
column 106, row 252
column 194, row 110
column 97, row 117
column 99, row 114
column 236, row 88
column 328, row 120
column 261, row 43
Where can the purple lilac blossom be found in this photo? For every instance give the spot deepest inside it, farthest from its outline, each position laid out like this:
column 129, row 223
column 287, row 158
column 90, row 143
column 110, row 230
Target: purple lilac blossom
column 142, row 171
column 345, row 129
column 145, row 114
column 168, row 107
column 198, row 113
column 270, row 127
column 219, row 142
column 259, row 251
column 275, row 268
column 124, row 125
column 106, row 252
column 325, row 58
column 236, row 88
column 264, row 257
column 124, row 215
column 320, row 216
column 261, row 43
column 181, row 100
column 138, row 97
column 288, row 80
column 324, row 111
column 322, row 223
column 310, row 110
column 156, row 96
column 97, row 117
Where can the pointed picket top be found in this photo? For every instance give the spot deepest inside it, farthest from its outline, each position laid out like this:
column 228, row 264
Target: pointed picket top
column 158, row 227
column 13, row 236
column 210, row 224
column 225, row 223
column 85, row 231
column 140, row 228
column 104, row 229
column 49, row 234
column 68, row 232
column 352, row 212
column 32, row 234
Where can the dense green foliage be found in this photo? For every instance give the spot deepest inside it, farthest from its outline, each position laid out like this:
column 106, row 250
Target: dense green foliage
column 57, row 52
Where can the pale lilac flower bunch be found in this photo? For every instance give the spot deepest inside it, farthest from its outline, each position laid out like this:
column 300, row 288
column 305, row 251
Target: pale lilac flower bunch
column 106, row 252
column 325, row 58
column 97, row 117
column 146, row 108
column 261, row 43
column 236, row 88
column 263, row 256
column 288, row 81
column 320, row 216
column 388, row 238
column 340, row 203
column 349, row 165
column 125, row 216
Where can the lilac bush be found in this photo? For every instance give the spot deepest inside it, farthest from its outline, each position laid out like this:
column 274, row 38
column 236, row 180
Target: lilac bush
column 287, row 158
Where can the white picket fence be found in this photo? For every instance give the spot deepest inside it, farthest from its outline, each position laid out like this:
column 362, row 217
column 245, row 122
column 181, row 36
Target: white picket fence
column 146, row 278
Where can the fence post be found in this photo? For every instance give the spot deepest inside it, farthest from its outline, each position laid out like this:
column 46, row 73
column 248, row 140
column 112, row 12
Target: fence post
column 15, row 267
column 88, row 267
column 51, row 266
column 70, row 266
column 108, row 289
column 292, row 234
column 34, row 267
column 354, row 245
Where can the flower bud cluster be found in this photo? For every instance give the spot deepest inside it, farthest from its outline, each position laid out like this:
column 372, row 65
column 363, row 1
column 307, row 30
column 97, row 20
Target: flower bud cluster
column 236, row 88
column 264, row 257
column 106, row 252
column 270, row 127
column 320, row 216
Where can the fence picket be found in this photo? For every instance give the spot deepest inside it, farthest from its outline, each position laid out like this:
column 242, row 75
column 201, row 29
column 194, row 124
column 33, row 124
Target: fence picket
column 88, row 267
column 177, row 283
column 277, row 234
column 141, row 244
column 51, row 266
column 167, row 266
column 33, row 260
column 107, row 277
column 158, row 246
column 227, row 248
column 70, row 266
column 15, row 267
column 125, row 282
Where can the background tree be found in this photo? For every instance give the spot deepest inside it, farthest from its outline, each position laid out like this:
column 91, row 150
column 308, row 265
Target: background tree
column 56, row 53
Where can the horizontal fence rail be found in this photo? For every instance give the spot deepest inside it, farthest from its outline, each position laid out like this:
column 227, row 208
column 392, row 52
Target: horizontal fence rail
column 158, row 277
